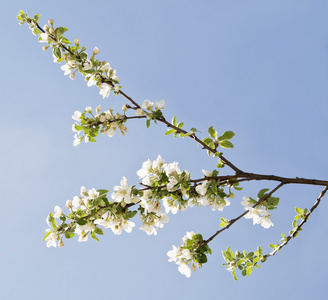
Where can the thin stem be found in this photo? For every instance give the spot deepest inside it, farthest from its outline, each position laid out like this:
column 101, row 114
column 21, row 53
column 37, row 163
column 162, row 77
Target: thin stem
column 317, row 202
column 232, row 221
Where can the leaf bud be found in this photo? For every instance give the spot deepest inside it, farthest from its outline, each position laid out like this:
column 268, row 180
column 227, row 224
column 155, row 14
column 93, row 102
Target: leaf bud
column 51, row 22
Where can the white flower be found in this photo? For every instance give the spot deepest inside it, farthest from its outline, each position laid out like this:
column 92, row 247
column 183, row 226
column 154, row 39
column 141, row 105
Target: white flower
column 160, row 104
column 172, row 169
column 51, row 239
column 55, row 58
column 91, row 81
column 158, row 163
column 116, row 88
column 82, row 231
column 77, row 140
column 149, row 229
column 145, row 170
column 58, row 212
column 106, row 67
column 111, row 131
column 246, row 201
column 93, row 194
column 189, row 235
column 105, row 90
column 139, row 112
column 122, row 192
column 66, row 68
column 77, row 116
column 87, row 65
column 184, row 269
column 174, row 254
column 44, row 38
column 202, row 188
column 147, row 105
column 207, row 173
column 265, row 222
column 88, row 109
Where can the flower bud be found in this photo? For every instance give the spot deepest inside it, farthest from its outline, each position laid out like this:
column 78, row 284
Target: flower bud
column 77, row 42
column 68, row 204
column 60, row 244
column 86, row 201
column 83, row 48
column 81, row 201
column 124, row 108
column 46, row 27
column 72, row 76
column 193, row 267
column 98, row 108
column 45, row 48
column 139, row 112
column 51, row 22
column 51, row 31
column 88, row 109
column 95, row 51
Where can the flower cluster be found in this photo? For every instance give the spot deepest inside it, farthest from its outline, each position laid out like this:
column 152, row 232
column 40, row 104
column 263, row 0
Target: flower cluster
column 192, row 252
column 259, row 215
column 106, row 123
column 96, row 72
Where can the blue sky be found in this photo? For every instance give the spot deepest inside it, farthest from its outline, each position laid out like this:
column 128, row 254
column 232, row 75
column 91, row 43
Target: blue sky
column 258, row 68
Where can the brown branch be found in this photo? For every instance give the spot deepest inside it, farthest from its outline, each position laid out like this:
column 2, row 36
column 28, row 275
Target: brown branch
column 232, row 221
column 297, row 229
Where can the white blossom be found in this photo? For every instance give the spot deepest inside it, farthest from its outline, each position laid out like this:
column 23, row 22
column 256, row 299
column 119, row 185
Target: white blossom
column 160, row 104
column 147, row 105
column 105, row 90
column 77, row 116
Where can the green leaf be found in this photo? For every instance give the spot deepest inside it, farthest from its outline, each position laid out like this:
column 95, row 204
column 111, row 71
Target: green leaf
column 234, row 274
column 81, row 221
column 98, row 231
column 294, row 224
column 249, row 270
column 261, row 193
column 256, row 259
column 148, row 123
column 214, row 188
column 169, row 131
column 69, row 235
column 46, row 235
column 299, row 210
column 102, row 192
column 212, row 132
column 94, row 236
column 202, row 258
column 180, row 125
column 174, row 121
column 227, row 135
column 226, row 144
column 207, row 140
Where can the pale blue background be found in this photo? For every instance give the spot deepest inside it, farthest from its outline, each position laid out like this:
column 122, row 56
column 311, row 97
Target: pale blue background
column 259, row 68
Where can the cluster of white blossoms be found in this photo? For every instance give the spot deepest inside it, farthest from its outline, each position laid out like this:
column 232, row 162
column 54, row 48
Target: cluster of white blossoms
column 183, row 257
column 96, row 72
column 207, row 197
column 148, row 105
column 89, row 127
column 259, row 215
